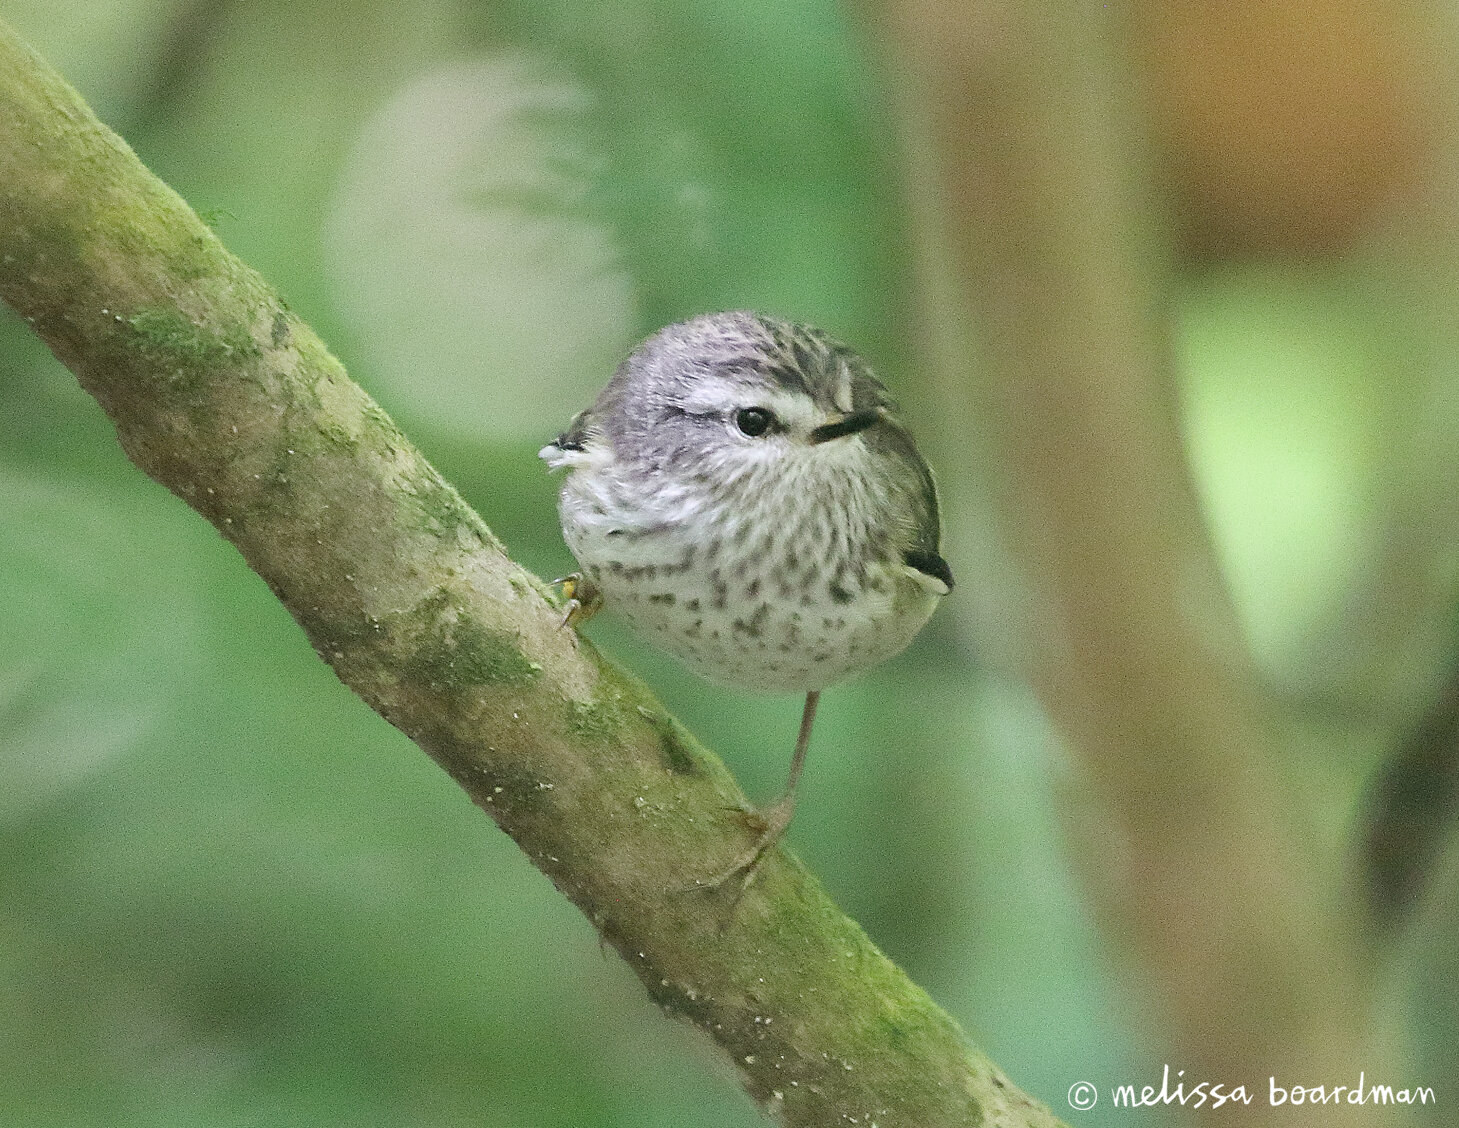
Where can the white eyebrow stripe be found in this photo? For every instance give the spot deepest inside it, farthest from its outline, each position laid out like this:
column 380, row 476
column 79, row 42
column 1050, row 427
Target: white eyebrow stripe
column 711, row 396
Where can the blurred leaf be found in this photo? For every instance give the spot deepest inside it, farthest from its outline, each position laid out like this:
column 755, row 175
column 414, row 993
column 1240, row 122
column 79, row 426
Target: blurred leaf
column 260, row 118
column 1290, row 409
column 101, row 626
column 749, row 164
column 491, row 299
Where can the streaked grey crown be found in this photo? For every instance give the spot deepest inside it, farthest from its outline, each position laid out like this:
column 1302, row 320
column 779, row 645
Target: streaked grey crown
column 760, row 352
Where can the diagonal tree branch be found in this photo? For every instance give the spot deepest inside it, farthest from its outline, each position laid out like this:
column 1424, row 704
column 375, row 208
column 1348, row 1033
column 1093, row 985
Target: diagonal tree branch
column 221, row 394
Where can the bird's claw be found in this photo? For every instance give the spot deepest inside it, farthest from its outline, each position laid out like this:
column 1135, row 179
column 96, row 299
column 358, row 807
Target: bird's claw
column 769, row 826
column 583, row 599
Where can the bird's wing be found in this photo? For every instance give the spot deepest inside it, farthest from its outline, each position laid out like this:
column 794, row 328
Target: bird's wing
column 924, row 558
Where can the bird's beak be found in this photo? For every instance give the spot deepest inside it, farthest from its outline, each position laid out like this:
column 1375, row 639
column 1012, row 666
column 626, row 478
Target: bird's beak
column 848, row 424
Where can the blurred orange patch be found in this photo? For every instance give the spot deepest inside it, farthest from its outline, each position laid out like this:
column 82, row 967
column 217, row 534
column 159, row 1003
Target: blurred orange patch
column 1287, row 125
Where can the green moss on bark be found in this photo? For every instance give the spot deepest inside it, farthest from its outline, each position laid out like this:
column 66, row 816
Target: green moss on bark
column 453, row 651
column 186, row 352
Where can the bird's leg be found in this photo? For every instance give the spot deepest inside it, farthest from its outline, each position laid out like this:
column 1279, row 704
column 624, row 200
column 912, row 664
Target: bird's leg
column 771, row 822
column 584, row 600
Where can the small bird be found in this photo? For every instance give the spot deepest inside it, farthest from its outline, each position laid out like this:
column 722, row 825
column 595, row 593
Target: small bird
column 743, row 494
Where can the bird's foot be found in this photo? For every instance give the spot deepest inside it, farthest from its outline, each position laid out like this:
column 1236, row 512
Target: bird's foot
column 584, row 600
column 768, row 825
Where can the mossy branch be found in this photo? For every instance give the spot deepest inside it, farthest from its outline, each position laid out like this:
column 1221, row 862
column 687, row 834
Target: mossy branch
column 224, row 396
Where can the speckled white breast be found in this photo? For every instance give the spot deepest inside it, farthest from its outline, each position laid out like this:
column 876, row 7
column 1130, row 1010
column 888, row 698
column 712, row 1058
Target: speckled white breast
column 778, row 595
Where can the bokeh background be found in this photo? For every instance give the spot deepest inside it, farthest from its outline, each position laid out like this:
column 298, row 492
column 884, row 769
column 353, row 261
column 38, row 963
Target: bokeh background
column 231, row 895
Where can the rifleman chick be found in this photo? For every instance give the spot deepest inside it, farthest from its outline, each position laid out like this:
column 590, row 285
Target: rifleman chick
column 743, row 493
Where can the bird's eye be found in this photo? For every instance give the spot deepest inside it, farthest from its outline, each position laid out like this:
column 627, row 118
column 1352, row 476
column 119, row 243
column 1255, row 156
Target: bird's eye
column 754, row 421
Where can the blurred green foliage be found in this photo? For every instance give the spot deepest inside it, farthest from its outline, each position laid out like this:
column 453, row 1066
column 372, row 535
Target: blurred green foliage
column 229, row 894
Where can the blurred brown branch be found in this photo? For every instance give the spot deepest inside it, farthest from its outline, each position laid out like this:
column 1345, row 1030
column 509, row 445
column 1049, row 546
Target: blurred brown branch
column 228, row 399
column 1024, row 115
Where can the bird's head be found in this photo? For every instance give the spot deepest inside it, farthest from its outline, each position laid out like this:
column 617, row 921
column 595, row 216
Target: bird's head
column 731, row 392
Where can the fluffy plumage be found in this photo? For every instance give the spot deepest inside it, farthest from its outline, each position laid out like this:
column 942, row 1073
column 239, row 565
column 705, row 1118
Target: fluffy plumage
column 786, row 559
